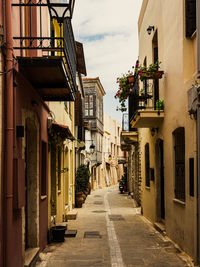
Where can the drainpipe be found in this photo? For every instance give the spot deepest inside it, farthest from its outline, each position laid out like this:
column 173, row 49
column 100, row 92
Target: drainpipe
column 9, row 135
column 198, row 129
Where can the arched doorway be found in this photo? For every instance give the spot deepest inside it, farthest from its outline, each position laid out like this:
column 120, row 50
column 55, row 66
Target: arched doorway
column 160, row 183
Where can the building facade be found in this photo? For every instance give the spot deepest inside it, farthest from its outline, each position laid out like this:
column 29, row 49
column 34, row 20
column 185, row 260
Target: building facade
column 167, row 134
column 112, row 154
column 93, row 115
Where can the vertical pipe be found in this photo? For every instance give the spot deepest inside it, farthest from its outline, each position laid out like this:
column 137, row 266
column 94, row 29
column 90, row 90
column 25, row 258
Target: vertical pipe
column 9, row 136
column 198, row 130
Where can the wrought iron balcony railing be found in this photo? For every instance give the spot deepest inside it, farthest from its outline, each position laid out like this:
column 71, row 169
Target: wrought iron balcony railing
column 32, row 41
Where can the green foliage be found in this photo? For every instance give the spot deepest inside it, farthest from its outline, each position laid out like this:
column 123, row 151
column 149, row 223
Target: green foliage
column 82, row 178
column 123, row 90
column 147, row 72
column 160, row 104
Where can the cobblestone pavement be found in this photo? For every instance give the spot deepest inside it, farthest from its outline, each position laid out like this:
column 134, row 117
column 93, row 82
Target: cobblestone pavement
column 117, row 235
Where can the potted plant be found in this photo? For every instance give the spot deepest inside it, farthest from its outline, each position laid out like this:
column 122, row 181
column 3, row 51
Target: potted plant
column 58, row 232
column 125, row 82
column 160, row 104
column 150, row 72
column 81, row 183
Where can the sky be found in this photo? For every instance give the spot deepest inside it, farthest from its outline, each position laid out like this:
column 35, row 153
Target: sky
column 108, row 31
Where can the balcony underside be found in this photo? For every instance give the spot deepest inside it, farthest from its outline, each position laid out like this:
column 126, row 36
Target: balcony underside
column 147, row 119
column 48, row 76
column 129, row 137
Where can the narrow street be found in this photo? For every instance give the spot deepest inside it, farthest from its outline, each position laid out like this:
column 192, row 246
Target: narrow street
column 111, row 232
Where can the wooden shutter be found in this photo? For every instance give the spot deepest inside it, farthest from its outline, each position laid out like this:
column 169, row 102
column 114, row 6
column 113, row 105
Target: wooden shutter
column 190, row 13
column 147, row 164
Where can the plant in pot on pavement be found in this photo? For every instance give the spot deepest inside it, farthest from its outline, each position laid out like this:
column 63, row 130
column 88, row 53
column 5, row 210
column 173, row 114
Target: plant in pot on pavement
column 81, row 182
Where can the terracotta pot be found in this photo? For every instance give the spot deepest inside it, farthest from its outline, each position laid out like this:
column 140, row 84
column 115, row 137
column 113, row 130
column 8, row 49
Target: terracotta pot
column 79, row 199
column 158, row 74
column 131, row 79
column 89, row 188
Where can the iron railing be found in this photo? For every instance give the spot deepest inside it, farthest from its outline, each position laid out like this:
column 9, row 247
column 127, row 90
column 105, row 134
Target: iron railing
column 49, row 45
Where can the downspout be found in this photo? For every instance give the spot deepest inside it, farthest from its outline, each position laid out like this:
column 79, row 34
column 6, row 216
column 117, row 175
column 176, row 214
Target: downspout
column 198, row 128
column 9, row 135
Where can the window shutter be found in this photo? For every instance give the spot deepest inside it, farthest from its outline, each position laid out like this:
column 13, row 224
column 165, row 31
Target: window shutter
column 190, row 13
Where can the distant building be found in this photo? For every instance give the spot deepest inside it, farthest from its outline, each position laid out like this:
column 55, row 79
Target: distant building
column 93, row 116
column 112, row 155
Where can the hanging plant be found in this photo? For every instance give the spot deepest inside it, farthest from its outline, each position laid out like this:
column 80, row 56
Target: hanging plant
column 125, row 83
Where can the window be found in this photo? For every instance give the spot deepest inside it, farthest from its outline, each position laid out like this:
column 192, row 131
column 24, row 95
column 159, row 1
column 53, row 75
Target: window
column 179, row 157
column 89, row 104
column 44, row 169
column 190, row 17
column 155, row 59
column 191, row 176
column 147, row 170
column 59, row 168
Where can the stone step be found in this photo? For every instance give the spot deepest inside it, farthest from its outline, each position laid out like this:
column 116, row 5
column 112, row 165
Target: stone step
column 160, row 227
column 31, row 256
column 72, row 215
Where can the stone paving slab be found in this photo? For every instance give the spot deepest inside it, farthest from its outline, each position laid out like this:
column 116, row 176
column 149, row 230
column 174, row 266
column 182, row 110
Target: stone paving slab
column 129, row 242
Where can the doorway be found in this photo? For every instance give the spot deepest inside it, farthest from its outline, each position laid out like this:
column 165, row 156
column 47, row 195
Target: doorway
column 160, row 181
column 31, row 215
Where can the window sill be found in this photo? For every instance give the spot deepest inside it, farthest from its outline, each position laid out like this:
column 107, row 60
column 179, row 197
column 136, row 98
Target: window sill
column 147, row 187
column 59, row 192
column 43, row 197
column 182, row 203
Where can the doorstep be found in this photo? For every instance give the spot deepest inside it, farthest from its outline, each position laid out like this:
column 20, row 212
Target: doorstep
column 159, row 226
column 72, row 215
column 31, row 256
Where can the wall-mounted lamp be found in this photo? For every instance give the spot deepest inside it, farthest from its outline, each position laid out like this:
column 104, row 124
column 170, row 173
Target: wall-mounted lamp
column 154, row 131
column 149, row 29
column 109, row 157
column 92, row 147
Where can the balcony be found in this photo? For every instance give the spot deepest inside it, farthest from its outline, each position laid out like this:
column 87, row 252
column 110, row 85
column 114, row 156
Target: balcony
column 147, row 111
column 49, row 63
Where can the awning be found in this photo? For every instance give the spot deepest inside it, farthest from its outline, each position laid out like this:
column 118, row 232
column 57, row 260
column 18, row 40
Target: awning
column 63, row 131
column 48, row 75
column 81, row 68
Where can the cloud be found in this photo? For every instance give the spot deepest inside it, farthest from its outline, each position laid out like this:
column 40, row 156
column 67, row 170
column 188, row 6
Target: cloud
column 108, row 31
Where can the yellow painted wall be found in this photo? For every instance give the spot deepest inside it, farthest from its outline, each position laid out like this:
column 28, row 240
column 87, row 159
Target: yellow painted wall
column 178, row 57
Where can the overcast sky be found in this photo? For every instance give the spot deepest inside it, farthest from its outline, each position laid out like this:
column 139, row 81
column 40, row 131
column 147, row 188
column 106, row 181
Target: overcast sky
column 108, row 31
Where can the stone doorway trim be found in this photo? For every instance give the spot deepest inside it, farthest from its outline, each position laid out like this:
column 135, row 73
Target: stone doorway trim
column 30, row 228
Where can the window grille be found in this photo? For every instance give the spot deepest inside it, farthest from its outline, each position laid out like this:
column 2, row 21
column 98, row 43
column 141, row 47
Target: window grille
column 179, row 157
column 147, row 169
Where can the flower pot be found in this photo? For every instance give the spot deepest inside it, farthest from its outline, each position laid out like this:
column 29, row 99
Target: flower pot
column 58, row 233
column 158, row 74
column 79, row 199
column 131, row 79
